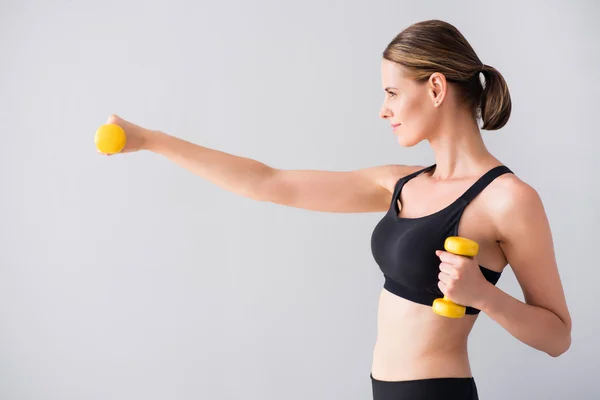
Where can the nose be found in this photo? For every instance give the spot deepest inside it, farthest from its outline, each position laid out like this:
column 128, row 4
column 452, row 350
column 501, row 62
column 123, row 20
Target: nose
column 384, row 112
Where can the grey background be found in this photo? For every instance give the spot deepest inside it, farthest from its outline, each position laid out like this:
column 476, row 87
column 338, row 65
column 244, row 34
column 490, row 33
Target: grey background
column 130, row 278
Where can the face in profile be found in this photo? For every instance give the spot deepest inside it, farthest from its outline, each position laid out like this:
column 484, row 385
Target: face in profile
column 408, row 105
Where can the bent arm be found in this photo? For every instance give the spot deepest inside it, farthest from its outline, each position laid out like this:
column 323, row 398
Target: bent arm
column 533, row 325
column 543, row 320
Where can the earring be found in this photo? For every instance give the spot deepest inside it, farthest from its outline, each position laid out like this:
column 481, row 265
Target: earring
column 436, row 102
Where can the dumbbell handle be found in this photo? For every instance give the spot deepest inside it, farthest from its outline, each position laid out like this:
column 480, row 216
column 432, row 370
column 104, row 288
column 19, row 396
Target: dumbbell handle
column 460, row 246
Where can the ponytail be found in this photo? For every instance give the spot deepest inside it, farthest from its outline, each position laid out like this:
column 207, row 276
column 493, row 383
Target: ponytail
column 495, row 102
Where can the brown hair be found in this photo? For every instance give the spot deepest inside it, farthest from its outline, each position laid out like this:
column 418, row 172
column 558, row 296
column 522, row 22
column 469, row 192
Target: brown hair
column 437, row 46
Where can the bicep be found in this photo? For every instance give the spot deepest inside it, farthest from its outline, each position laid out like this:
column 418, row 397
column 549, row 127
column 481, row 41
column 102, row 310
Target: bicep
column 363, row 190
column 526, row 240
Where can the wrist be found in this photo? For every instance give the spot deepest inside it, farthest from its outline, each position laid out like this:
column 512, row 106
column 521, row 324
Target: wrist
column 487, row 297
column 152, row 140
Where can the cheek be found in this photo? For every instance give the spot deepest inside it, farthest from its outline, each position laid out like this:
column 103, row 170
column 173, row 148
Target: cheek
column 415, row 117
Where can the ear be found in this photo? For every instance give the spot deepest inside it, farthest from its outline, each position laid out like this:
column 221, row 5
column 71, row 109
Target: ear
column 436, row 88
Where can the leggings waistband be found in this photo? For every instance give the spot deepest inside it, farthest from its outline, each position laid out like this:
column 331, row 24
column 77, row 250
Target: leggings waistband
column 448, row 388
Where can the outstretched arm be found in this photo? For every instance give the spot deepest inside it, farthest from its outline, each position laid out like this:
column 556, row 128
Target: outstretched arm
column 362, row 190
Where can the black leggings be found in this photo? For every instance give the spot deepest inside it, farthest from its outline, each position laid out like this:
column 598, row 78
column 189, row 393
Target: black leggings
column 425, row 389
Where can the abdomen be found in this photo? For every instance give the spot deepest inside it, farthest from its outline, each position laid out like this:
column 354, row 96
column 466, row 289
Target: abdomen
column 413, row 342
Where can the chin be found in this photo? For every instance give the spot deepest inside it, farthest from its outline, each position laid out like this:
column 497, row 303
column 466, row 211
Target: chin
column 407, row 141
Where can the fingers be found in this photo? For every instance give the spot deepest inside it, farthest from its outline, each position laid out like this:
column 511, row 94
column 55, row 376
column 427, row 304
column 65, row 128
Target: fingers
column 448, row 272
column 449, row 257
column 445, row 278
column 455, row 259
column 443, row 287
column 114, row 119
column 448, row 269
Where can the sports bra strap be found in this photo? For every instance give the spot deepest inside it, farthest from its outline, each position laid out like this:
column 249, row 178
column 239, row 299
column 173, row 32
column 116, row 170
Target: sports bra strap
column 414, row 174
column 408, row 177
column 482, row 182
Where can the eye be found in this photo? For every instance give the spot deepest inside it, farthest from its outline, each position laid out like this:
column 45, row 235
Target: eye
column 391, row 94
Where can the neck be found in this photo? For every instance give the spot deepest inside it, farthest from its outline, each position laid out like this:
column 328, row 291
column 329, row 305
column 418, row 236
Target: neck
column 459, row 150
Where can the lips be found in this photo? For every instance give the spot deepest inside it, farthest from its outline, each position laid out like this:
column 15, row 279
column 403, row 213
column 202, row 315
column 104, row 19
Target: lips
column 394, row 126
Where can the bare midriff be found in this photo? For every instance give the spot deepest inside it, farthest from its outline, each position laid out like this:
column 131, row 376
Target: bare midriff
column 415, row 343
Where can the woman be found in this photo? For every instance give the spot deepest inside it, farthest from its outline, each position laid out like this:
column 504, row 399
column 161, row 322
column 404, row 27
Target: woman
column 433, row 92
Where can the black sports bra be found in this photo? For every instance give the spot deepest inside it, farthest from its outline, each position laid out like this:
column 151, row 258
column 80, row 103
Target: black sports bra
column 404, row 248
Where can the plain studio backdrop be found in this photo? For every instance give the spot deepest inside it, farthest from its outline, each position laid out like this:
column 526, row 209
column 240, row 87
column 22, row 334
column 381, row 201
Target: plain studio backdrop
column 128, row 277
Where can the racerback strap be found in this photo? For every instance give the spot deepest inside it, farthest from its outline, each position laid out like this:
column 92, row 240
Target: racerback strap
column 482, row 182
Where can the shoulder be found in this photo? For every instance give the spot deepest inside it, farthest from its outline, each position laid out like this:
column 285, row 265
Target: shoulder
column 388, row 175
column 513, row 203
column 512, row 194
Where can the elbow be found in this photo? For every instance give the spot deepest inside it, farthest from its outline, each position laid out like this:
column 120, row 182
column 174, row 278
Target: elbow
column 565, row 345
column 262, row 185
column 271, row 189
column 563, row 339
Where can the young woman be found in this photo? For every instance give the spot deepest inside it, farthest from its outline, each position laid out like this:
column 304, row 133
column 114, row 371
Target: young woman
column 434, row 92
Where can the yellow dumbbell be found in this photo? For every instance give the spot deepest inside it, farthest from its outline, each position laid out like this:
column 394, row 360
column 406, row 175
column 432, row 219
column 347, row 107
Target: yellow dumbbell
column 464, row 247
column 110, row 139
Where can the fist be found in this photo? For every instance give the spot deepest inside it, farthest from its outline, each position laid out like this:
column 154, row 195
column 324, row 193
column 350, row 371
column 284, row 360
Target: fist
column 137, row 137
column 461, row 279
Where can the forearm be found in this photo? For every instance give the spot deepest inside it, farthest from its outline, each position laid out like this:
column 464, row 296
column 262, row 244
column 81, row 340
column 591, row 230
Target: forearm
column 533, row 325
column 240, row 175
